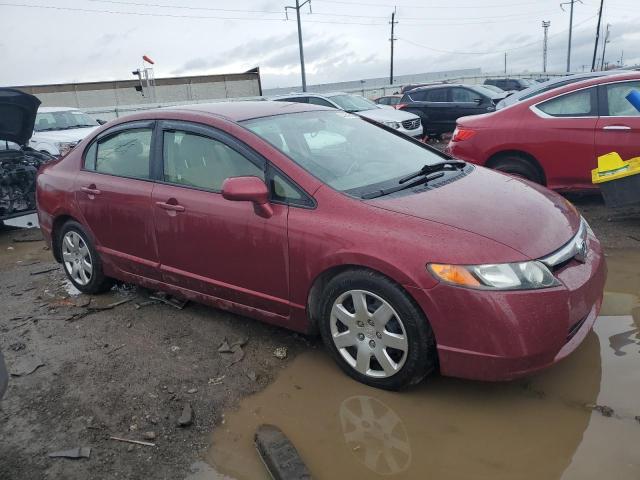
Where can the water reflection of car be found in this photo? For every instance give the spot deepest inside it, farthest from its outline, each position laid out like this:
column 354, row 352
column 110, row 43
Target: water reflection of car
column 403, row 122
column 555, row 138
column 59, row 129
column 316, row 219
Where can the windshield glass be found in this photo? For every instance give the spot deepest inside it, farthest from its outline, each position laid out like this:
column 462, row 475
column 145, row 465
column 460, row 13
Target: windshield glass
column 343, row 150
column 353, row 103
column 63, row 120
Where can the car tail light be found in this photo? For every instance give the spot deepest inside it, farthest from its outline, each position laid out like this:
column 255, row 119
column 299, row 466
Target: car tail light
column 461, row 133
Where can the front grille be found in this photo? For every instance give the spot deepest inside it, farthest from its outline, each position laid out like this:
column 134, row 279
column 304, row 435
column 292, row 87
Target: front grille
column 411, row 124
column 575, row 327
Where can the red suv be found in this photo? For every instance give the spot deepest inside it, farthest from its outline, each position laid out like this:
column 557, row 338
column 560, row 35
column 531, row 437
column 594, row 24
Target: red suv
column 315, row 219
column 556, row 137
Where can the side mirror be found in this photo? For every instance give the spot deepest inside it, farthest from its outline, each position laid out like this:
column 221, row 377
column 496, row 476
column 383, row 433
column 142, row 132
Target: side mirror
column 248, row 189
column 101, row 122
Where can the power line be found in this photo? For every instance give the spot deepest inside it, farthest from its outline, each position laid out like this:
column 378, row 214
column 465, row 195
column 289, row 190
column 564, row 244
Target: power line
column 430, row 7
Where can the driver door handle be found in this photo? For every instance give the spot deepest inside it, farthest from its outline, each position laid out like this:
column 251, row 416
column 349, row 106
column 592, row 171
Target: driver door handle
column 170, row 206
column 91, row 190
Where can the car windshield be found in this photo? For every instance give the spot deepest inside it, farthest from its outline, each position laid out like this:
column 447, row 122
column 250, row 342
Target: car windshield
column 63, row 120
column 342, row 150
column 353, row 103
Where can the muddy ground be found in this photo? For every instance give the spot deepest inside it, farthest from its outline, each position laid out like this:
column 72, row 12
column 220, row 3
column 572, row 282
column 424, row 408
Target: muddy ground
column 116, row 366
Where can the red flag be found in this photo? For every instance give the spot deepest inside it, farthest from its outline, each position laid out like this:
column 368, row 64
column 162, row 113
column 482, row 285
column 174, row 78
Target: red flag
column 148, row 60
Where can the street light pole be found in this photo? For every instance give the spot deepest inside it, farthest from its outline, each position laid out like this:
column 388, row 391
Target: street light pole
column 545, row 26
column 297, row 9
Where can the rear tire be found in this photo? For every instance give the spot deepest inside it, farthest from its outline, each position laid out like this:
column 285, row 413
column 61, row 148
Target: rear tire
column 80, row 259
column 375, row 331
column 518, row 166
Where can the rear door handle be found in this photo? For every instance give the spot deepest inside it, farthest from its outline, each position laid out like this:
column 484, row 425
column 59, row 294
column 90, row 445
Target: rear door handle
column 616, row 127
column 170, row 206
column 91, row 190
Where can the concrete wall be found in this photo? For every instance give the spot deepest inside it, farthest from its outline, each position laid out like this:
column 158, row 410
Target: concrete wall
column 168, row 90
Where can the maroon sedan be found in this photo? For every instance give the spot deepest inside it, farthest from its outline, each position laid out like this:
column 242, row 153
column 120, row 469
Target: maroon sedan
column 556, row 137
column 318, row 220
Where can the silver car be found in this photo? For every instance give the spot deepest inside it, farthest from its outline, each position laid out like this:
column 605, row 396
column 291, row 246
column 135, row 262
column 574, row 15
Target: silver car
column 403, row 122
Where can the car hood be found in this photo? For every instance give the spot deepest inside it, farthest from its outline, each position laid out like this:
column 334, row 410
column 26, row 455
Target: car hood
column 17, row 115
column 71, row 135
column 387, row 115
column 526, row 217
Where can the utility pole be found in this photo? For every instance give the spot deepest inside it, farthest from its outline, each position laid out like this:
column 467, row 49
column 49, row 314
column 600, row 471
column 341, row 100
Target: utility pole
column 505, row 63
column 545, row 26
column 604, row 46
column 571, row 3
column 595, row 46
column 297, row 9
column 392, row 39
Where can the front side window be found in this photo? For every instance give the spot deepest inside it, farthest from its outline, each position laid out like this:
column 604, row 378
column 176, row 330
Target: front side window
column 124, row 154
column 342, row 150
column 576, row 104
column 196, row 161
column 617, row 101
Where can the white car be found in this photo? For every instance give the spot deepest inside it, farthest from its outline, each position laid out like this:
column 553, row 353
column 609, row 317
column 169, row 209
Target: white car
column 58, row 129
column 404, row 122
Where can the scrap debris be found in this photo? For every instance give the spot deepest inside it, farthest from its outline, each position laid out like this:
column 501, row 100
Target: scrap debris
column 137, row 442
column 234, row 348
column 74, row 453
column 43, row 270
column 279, row 455
column 186, row 418
column 280, row 353
column 169, row 300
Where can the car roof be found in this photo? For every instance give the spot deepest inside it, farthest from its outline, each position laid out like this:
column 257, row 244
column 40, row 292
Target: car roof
column 57, row 109
column 246, row 110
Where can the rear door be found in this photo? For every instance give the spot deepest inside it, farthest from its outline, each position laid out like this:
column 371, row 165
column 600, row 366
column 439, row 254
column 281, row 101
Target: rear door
column 618, row 128
column 113, row 191
column 209, row 244
column 564, row 137
column 467, row 102
column 432, row 106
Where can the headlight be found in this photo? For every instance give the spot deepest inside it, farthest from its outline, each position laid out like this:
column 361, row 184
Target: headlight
column 500, row 276
column 395, row 125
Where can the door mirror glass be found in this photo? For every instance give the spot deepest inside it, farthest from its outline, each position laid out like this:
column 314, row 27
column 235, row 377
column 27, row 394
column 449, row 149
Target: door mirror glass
column 248, row 189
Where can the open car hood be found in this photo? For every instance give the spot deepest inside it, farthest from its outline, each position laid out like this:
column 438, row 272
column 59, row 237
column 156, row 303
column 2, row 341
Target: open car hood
column 17, row 115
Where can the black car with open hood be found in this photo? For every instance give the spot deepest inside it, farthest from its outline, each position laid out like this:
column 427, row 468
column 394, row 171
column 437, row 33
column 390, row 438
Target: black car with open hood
column 18, row 166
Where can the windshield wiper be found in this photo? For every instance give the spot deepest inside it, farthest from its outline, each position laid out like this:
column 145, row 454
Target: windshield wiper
column 404, row 186
column 435, row 167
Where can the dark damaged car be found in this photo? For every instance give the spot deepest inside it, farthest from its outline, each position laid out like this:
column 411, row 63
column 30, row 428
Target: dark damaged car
column 18, row 162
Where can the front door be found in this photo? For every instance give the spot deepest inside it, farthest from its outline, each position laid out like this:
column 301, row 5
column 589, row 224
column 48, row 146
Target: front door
column 211, row 245
column 618, row 128
column 113, row 192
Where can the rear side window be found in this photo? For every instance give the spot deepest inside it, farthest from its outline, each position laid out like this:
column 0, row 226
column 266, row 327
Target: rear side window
column 383, row 101
column 124, row 154
column 617, row 103
column 576, row 104
column 464, row 95
column 437, row 95
column 201, row 162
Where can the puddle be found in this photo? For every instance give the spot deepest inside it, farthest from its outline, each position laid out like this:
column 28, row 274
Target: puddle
column 540, row 427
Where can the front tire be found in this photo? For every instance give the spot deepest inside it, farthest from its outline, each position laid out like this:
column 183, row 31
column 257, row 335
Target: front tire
column 80, row 260
column 375, row 332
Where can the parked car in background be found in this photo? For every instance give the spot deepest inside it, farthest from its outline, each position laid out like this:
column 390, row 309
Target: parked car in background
column 499, row 90
column 411, row 86
column 19, row 163
column 556, row 137
column 404, row 122
column 439, row 106
column 510, row 83
column 539, row 88
column 390, row 100
column 58, row 129
column 316, row 219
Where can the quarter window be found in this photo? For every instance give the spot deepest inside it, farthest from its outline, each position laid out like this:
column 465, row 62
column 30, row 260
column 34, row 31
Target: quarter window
column 576, row 104
column 617, row 102
column 201, row 162
column 125, row 154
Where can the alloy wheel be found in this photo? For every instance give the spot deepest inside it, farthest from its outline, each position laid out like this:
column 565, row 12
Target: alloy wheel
column 77, row 258
column 368, row 334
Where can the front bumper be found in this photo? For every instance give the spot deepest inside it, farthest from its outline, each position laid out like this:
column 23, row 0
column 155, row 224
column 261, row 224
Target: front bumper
column 493, row 335
column 415, row 132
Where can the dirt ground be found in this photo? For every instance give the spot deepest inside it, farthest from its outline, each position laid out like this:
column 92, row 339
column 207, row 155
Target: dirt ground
column 117, row 366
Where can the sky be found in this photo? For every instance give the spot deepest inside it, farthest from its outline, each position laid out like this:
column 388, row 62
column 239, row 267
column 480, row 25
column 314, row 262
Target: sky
column 60, row 41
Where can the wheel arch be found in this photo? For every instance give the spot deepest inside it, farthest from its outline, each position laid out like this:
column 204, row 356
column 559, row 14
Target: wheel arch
column 495, row 158
column 57, row 224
